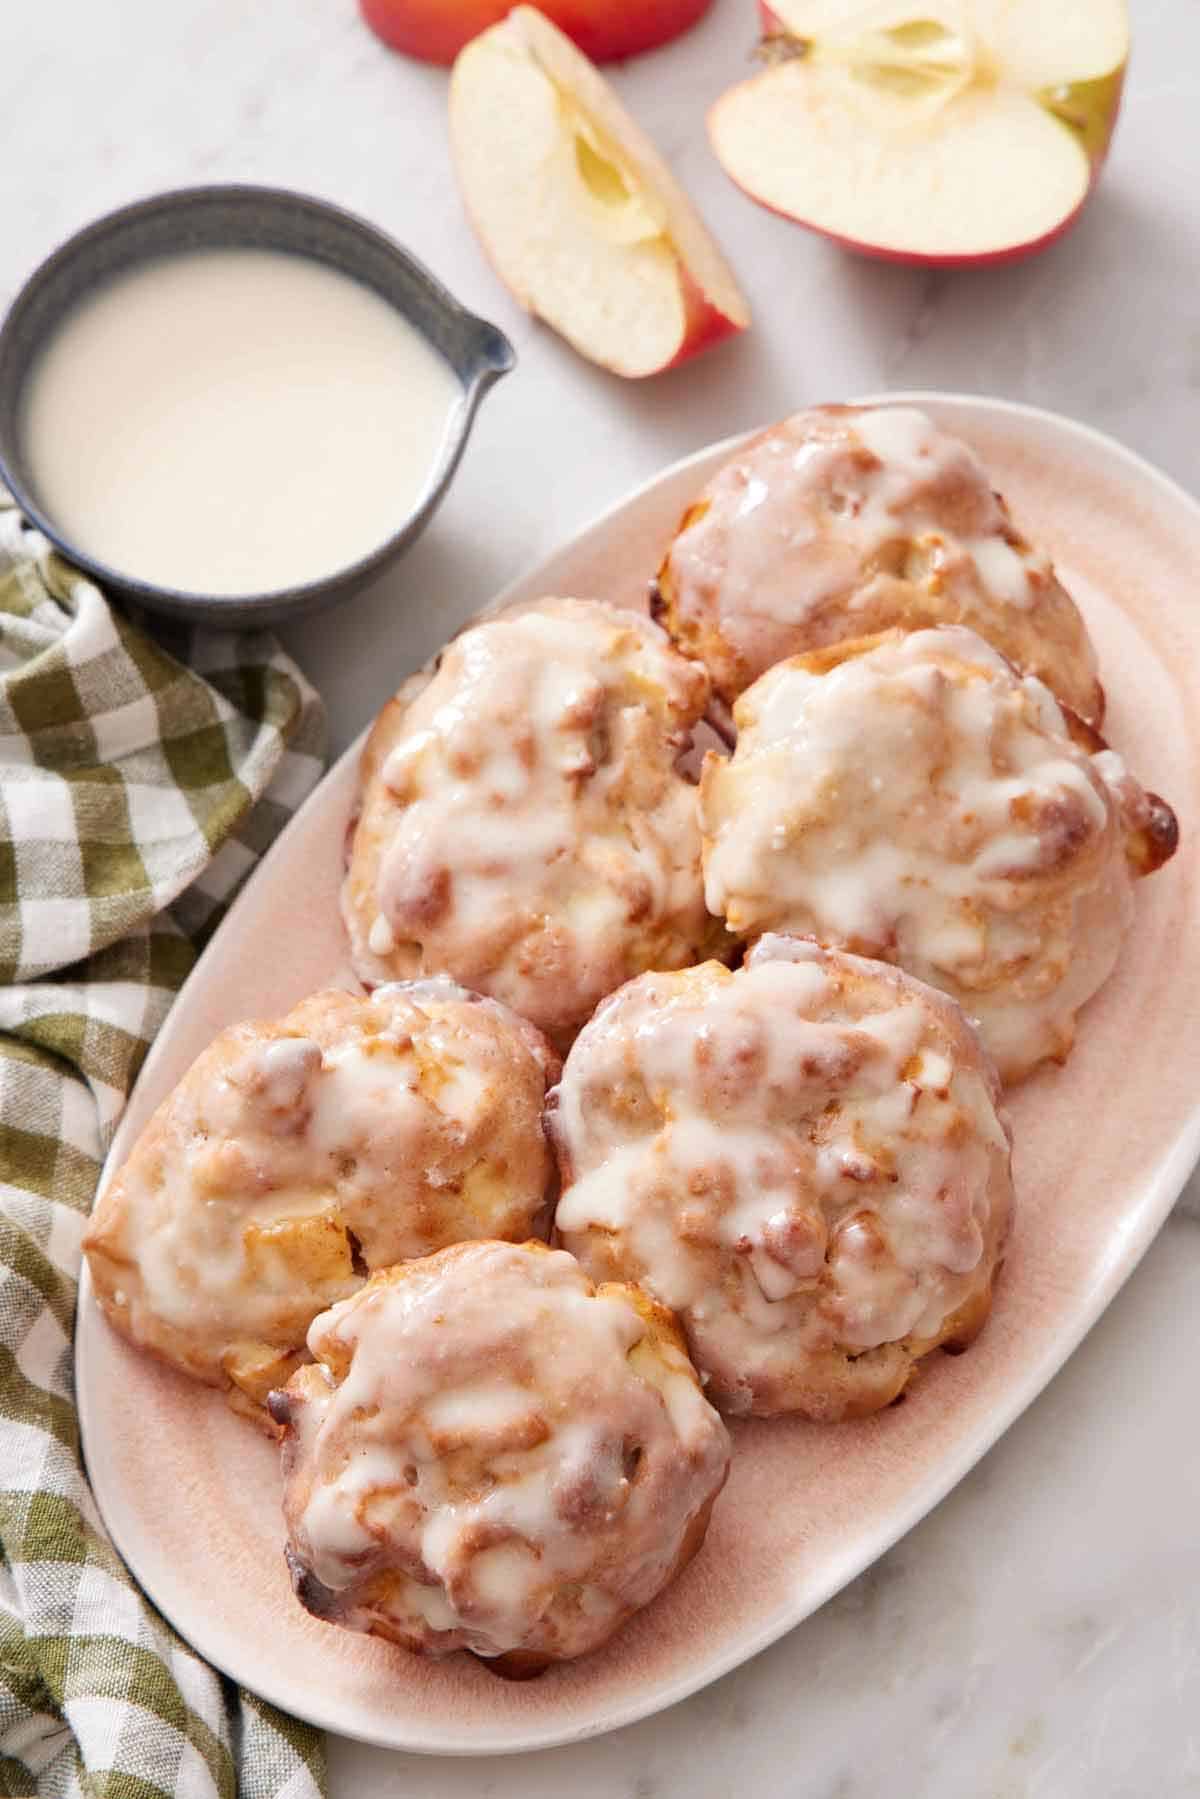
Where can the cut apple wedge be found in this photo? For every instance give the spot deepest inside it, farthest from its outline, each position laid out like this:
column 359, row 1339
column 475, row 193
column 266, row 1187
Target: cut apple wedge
column 576, row 209
column 939, row 131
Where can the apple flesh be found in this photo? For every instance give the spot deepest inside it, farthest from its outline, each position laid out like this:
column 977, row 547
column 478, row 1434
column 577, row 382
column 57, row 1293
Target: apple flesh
column 576, row 209
column 928, row 131
column 605, row 30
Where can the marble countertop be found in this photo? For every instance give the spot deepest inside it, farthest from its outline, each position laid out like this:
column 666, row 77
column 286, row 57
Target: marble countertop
column 1039, row 1634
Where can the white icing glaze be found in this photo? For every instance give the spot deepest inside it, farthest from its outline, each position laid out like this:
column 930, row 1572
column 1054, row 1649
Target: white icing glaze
column 841, row 522
column 901, row 437
column 527, row 828
column 408, row 1120
column 500, row 1459
column 380, row 940
column 922, row 803
column 805, row 1159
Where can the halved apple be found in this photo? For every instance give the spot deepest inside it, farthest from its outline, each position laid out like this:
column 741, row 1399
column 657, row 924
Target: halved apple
column 578, row 212
column 937, row 131
column 605, row 30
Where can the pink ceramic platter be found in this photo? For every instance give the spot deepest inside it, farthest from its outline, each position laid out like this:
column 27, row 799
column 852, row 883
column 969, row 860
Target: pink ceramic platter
column 190, row 1493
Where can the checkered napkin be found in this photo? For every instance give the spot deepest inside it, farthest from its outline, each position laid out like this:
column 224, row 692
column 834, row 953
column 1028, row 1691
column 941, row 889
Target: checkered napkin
column 137, row 789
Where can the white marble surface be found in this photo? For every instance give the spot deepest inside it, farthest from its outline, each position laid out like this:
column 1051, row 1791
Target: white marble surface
column 1040, row 1633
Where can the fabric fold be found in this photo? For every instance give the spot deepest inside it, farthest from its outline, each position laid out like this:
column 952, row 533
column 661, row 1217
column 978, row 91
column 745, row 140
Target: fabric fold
column 138, row 788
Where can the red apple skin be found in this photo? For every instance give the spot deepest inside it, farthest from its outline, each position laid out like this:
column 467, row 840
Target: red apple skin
column 605, row 30
column 705, row 326
column 772, row 26
column 924, row 259
column 980, row 260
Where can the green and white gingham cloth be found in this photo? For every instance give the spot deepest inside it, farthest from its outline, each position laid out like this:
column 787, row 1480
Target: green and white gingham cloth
column 137, row 790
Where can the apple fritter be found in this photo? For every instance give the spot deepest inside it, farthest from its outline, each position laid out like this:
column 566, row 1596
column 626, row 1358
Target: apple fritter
column 297, row 1155
column 524, row 822
column 844, row 521
column 806, row 1159
column 492, row 1454
column 912, row 797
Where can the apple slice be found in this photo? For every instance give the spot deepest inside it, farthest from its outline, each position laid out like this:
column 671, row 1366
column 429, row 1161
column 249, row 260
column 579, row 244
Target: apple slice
column 605, row 30
column 578, row 212
column 925, row 130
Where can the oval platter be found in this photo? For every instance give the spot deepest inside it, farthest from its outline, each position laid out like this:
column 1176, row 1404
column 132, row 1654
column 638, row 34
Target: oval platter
column 1103, row 1147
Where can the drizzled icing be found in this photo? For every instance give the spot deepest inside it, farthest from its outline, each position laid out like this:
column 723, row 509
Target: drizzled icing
column 843, row 521
column 804, row 1158
column 386, row 1126
column 919, row 802
column 524, row 825
column 494, row 1456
